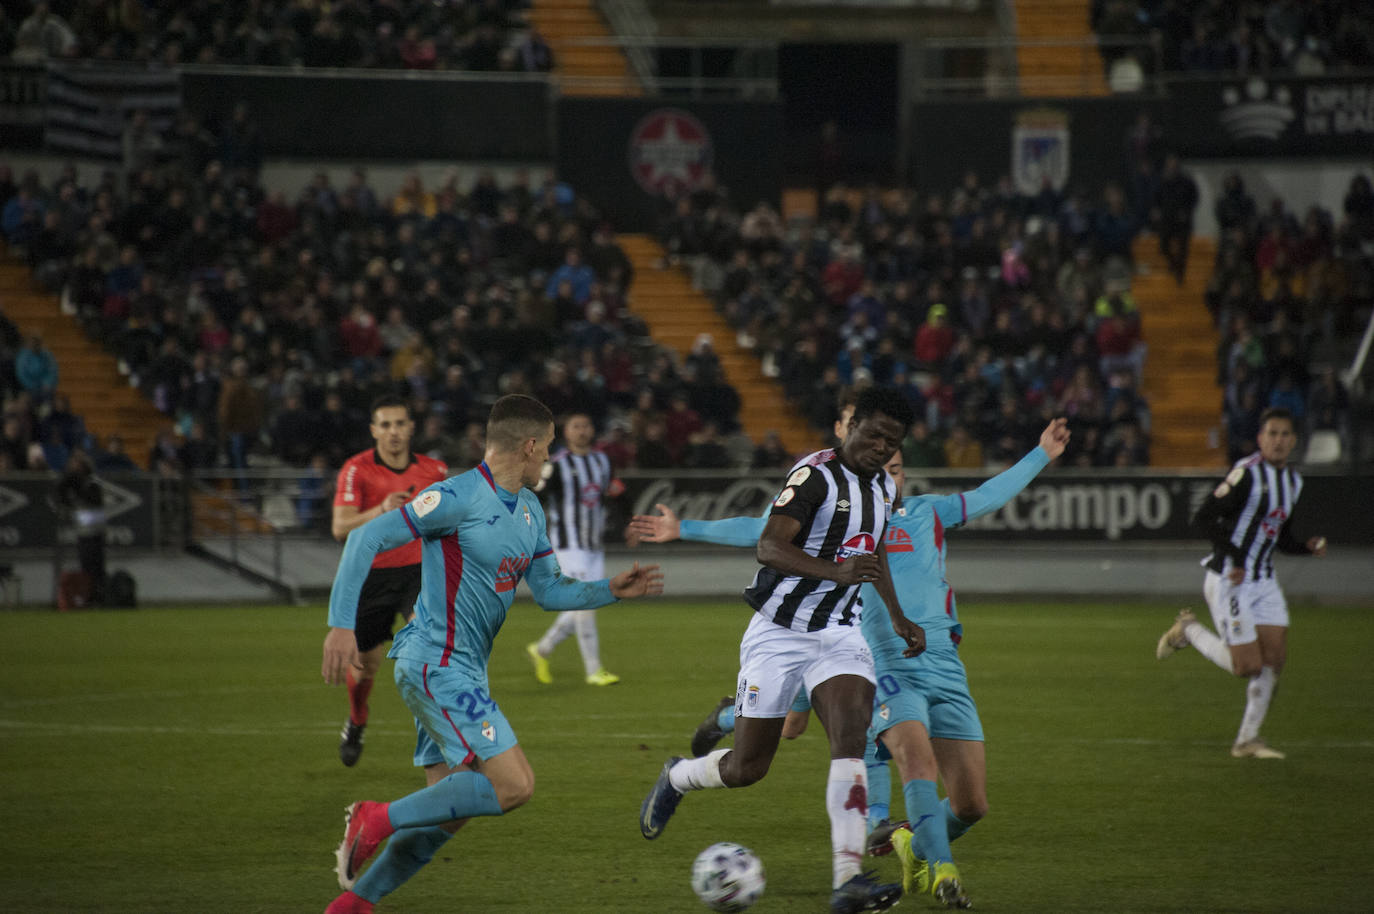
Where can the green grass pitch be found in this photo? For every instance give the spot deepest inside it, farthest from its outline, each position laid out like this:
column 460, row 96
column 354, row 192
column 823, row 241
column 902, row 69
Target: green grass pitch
column 184, row 760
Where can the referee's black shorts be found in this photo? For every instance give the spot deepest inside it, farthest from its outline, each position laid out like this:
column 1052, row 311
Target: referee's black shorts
column 386, row 592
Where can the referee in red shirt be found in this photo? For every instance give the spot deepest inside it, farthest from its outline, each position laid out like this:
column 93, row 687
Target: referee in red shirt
column 370, row 484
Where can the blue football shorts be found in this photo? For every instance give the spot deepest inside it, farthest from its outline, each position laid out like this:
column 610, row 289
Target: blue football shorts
column 931, row 688
column 456, row 719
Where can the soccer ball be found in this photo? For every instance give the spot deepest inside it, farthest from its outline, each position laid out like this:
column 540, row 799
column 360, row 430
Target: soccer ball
column 727, row 877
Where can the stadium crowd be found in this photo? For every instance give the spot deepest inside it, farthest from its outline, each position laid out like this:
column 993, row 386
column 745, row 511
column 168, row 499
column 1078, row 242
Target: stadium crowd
column 396, row 34
column 1286, row 36
column 993, row 311
column 1282, row 289
column 263, row 325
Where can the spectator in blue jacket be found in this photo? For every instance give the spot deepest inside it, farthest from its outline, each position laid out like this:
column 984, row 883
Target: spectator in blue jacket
column 36, row 369
column 576, row 273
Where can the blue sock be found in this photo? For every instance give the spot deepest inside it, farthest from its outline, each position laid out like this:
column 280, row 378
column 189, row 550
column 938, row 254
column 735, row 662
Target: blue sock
column 930, row 835
column 879, row 790
column 458, row 796
column 408, row 850
column 726, row 718
column 954, row 825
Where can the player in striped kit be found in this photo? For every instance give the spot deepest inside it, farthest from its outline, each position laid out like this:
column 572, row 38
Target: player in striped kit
column 822, row 541
column 578, row 481
column 370, row 484
column 1247, row 517
column 925, row 713
column 479, row 534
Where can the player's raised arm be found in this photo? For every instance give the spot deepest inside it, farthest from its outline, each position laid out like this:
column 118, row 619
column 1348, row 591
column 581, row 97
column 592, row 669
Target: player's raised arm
column 962, row 507
column 665, row 527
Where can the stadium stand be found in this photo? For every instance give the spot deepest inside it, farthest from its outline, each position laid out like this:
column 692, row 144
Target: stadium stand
column 1304, row 39
column 261, row 326
column 990, row 309
column 407, row 34
column 1285, row 292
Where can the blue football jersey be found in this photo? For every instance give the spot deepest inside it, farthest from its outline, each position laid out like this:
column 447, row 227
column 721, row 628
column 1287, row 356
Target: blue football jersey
column 477, row 541
column 916, row 553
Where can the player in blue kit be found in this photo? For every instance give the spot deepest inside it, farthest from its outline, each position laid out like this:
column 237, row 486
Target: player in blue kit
column 480, row 533
column 924, row 716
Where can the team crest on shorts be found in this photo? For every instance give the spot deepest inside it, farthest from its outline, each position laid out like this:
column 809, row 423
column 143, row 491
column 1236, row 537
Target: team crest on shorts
column 1235, row 626
column 488, row 731
column 884, row 712
column 753, row 700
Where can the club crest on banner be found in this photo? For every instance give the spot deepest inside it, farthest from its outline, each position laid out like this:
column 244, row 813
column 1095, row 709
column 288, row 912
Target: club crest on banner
column 1040, row 149
column 670, row 151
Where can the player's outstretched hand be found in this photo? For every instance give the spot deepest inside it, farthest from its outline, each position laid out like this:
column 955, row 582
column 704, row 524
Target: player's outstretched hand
column 862, row 569
column 663, row 527
column 340, row 652
column 912, row 634
column 394, row 501
column 639, row 581
column 1055, row 437
column 1318, row 545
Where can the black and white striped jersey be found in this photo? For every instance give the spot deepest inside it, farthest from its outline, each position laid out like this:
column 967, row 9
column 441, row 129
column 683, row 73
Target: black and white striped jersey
column 573, row 502
column 1247, row 516
column 842, row 515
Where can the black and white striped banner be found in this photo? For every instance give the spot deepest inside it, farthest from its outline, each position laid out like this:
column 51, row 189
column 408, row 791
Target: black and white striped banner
column 88, row 105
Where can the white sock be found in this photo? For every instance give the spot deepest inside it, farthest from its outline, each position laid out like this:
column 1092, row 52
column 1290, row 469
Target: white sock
column 1208, row 644
column 698, row 773
column 587, row 640
column 1257, row 697
column 846, row 800
column 561, row 628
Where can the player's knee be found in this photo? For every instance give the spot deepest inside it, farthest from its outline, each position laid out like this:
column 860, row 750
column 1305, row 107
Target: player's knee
column 1244, row 669
column 971, row 810
column 515, row 791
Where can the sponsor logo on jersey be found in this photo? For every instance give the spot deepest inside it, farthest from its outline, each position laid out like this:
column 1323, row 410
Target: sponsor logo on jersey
column 427, row 503
column 862, row 544
column 1273, row 521
column 898, row 540
column 590, row 495
column 510, row 571
column 842, row 505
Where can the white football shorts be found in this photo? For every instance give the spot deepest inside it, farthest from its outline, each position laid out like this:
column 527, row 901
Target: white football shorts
column 581, row 564
column 776, row 662
column 1238, row 608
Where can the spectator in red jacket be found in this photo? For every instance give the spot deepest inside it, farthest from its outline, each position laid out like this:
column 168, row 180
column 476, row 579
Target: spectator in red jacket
column 935, row 338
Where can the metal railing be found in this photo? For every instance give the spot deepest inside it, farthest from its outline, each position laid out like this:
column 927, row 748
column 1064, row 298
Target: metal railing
column 943, row 62
column 243, row 518
column 687, row 67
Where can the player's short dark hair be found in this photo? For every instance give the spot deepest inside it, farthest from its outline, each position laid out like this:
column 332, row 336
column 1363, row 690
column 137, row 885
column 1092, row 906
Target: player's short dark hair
column 887, row 401
column 849, row 396
column 389, row 401
column 1278, row 412
column 515, row 418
